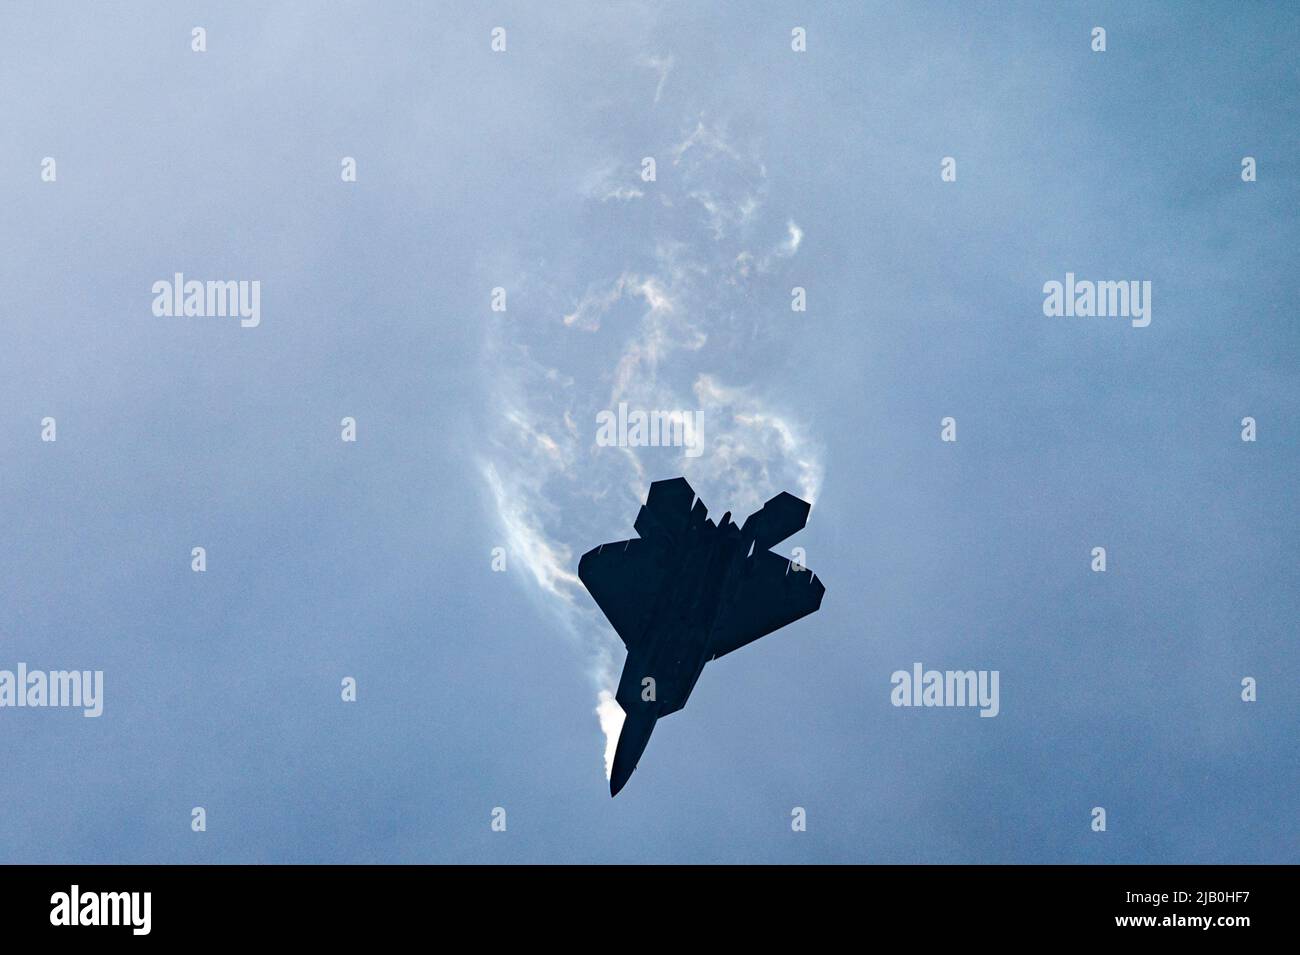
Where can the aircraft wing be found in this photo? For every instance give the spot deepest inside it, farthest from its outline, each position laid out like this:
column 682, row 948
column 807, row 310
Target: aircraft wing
column 625, row 578
column 769, row 595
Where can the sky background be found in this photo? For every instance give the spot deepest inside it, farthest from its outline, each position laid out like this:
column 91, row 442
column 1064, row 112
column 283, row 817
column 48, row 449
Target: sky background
column 476, row 429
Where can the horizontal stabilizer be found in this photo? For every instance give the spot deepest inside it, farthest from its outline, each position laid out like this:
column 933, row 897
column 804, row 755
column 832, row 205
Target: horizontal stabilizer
column 780, row 517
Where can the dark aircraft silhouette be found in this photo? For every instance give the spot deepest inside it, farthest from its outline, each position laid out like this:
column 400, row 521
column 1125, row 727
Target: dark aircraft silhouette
column 686, row 592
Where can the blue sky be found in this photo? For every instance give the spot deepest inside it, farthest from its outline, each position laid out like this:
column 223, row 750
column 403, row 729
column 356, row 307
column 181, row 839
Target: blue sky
column 476, row 429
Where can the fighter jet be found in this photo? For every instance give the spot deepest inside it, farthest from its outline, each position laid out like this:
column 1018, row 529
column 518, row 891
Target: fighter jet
column 687, row 591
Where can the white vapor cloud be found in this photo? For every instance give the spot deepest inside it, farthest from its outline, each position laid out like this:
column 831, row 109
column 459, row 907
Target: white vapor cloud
column 684, row 318
column 663, row 65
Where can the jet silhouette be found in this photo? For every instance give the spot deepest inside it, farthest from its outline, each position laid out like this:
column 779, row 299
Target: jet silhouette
column 688, row 591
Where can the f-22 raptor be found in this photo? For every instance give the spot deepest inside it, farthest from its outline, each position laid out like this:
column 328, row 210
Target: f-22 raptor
column 688, row 591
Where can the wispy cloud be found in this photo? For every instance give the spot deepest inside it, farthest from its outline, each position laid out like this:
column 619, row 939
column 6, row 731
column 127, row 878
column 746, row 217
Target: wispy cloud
column 668, row 334
column 593, row 305
column 662, row 65
column 793, row 240
column 547, row 559
column 610, row 181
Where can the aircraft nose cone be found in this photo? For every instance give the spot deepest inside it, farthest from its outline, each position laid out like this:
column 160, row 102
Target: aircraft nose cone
column 617, row 782
column 631, row 744
column 622, row 772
